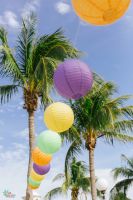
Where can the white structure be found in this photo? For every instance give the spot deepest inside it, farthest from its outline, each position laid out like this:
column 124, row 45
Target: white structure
column 102, row 185
column 35, row 196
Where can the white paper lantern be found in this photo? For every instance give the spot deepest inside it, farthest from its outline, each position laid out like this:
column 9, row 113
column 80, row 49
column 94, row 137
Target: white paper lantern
column 101, row 184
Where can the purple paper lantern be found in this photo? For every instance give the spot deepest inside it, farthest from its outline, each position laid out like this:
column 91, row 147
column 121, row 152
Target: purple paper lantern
column 73, row 79
column 41, row 170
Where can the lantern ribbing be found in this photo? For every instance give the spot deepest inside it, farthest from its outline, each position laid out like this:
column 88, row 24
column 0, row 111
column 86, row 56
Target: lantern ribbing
column 100, row 12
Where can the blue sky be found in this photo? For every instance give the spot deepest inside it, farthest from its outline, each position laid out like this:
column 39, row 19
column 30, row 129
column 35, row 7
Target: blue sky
column 108, row 51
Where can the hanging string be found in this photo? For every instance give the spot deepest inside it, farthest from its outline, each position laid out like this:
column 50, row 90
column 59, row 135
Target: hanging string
column 77, row 33
column 77, row 30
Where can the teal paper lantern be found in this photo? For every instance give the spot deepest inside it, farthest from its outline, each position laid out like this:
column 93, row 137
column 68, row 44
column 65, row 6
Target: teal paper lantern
column 49, row 142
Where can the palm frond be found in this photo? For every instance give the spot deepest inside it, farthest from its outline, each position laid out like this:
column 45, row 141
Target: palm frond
column 25, row 44
column 118, row 195
column 3, row 35
column 112, row 136
column 125, row 172
column 122, row 172
column 7, row 91
column 44, row 81
column 45, row 72
column 128, row 161
column 73, row 151
column 9, row 66
column 124, row 125
column 53, row 193
column 71, row 135
column 58, row 177
column 120, row 100
column 122, row 186
column 8, row 63
column 97, row 78
column 55, row 46
column 126, row 111
column 106, row 89
column 85, row 183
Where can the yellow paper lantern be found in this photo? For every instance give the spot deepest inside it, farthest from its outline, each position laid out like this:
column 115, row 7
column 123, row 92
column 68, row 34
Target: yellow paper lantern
column 33, row 187
column 100, row 12
column 40, row 158
column 58, row 117
column 35, row 176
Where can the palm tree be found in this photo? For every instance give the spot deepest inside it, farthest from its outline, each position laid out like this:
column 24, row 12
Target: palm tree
column 126, row 172
column 119, row 196
column 100, row 115
column 74, row 180
column 30, row 67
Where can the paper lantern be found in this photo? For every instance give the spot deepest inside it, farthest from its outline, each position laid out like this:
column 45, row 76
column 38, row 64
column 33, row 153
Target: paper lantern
column 58, row 117
column 101, row 185
column 33, row 182
column 73, row 79
column 100, row 12
column 33, row 187
column 41, row 170
column 49, row 142
column 35, row 176
column 40, row 158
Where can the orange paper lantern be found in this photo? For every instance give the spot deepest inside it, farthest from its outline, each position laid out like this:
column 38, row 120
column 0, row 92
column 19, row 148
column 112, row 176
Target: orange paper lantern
column 40, row 158
column 100, row 12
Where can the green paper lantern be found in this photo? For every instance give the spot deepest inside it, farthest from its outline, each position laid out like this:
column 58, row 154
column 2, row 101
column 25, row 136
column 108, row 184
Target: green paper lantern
column 49, row 142
column 33, row 182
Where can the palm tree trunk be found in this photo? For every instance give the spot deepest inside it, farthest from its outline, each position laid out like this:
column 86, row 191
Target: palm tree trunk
column 74, row 194
column 92, row 174
column 31, row 146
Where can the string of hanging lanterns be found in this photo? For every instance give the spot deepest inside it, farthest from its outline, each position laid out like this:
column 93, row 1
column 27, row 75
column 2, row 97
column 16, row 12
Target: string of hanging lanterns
column 75, row 79
column 58, row 117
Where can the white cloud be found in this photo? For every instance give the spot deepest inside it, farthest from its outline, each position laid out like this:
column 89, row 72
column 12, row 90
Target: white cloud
column 23, row 133
column 13, row 171
column 9, row 19
column 30, row 6
column 17, row 153
column 62, row 8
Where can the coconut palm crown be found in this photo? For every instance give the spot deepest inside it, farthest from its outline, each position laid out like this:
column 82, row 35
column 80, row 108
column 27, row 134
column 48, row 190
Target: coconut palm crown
column 75, row 181
column 125, row 172
column 100, row 115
